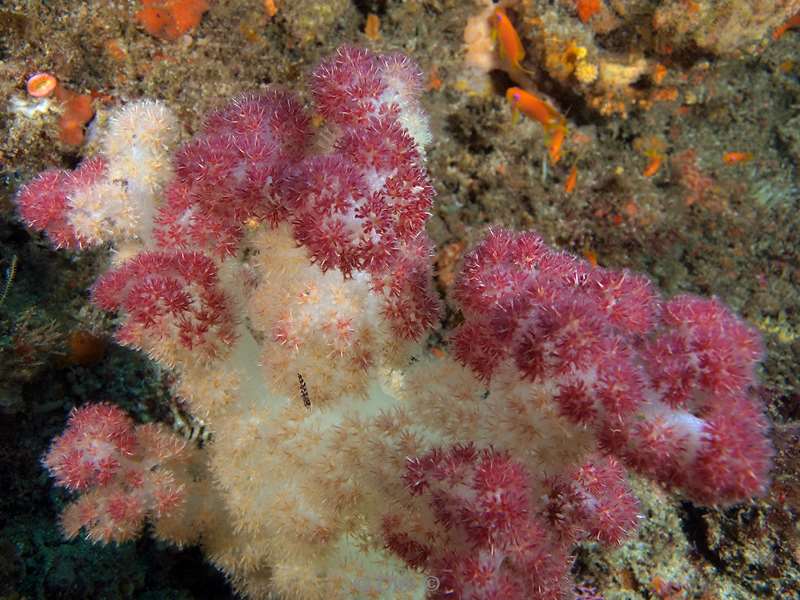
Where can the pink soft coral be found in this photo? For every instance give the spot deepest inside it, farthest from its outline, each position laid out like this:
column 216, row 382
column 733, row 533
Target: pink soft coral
column 119, row 468
column 501, row 539
column 665, row 385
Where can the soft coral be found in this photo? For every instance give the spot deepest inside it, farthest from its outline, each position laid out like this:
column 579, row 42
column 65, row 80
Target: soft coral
column 503, row 539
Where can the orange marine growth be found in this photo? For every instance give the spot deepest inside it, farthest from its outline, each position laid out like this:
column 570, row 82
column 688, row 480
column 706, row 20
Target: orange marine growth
column 78, row 111
column 791, row 23
column 587, row 9
column 732, row 158
column 507, row 37
column 40, row 85
column 170, row 19
column 659, row 73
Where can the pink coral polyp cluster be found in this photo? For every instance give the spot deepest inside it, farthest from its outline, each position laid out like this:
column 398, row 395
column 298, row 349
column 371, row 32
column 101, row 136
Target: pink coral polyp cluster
column 87, row 453
column 353, row 208
column 118, row 467
column 360, row 205
column 501, row 540
column 667, row 386
column 351, row 87
column 44, row 204
column 169, row 296
column 234, row 171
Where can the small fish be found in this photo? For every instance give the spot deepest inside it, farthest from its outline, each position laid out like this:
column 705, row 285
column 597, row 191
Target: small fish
column 532, row 106
column 554, row 124
column 557, row 138
column 572, row 180
column 654, row 165
column 503, row 31
column 591, row 256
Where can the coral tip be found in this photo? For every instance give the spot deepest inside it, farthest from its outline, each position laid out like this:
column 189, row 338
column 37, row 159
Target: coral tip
column 40, row 85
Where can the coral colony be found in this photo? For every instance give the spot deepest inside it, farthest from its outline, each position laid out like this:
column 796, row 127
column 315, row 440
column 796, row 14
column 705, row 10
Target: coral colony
column 282, row 270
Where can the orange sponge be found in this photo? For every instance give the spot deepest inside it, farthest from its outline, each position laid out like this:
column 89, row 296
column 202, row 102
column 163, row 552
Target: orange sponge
column 78, row 111
column 170, row 19
column 587, row 9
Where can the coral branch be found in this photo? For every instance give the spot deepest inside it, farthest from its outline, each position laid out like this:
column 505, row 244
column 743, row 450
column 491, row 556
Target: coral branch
column 119, row 468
